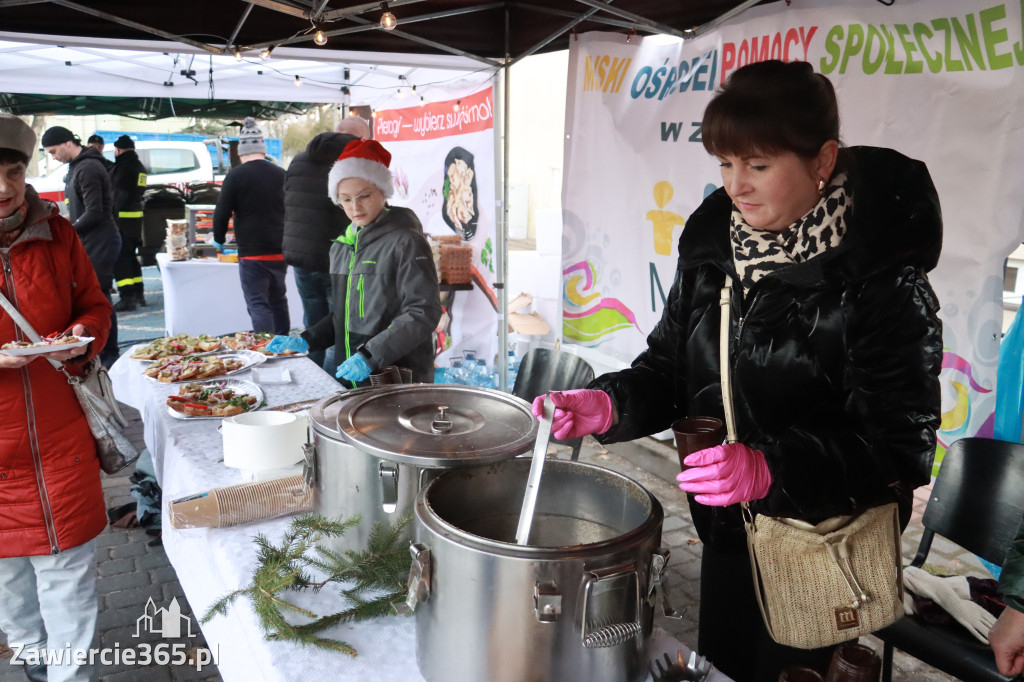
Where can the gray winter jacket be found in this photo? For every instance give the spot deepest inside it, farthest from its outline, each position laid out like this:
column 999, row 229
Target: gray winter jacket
column 386, row 298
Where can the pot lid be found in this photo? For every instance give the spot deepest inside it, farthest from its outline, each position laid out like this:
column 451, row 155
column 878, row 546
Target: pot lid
column 323, row 416
column 439, row 425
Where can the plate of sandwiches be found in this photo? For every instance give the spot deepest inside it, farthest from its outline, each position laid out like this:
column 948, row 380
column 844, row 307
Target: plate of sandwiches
column 178, row 368
column 214, row 399
column 45, row 345
column 181, row 345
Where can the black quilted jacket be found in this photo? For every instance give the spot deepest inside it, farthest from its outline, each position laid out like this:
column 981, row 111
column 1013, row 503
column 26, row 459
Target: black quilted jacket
column 835, row 360
column 311, row 220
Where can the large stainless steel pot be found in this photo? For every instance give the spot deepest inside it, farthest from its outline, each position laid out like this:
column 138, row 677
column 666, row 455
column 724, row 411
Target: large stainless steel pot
column 575, row 604
column 374, row 447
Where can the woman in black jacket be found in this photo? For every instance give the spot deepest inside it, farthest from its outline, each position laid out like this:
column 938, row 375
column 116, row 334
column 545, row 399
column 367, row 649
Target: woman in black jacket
column 835, row 341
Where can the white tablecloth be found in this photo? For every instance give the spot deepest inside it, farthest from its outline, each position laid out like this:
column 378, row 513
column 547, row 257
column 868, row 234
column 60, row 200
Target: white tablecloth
column 204, row 296
column 212, row 562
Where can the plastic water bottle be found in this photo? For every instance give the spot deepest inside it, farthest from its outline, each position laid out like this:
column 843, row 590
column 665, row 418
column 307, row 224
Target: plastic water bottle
column 457, row 371
column 513, row 368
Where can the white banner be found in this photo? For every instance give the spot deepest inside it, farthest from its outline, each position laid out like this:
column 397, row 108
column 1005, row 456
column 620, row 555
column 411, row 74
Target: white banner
column 432, row 145
column 938, row 80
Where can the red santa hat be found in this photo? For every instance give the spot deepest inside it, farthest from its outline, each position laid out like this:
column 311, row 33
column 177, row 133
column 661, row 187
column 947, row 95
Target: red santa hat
column 365, row 159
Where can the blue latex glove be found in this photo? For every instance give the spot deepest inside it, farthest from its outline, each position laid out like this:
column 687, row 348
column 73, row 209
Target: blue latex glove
column 218, row 246
column 356, row 368
column 280, row 344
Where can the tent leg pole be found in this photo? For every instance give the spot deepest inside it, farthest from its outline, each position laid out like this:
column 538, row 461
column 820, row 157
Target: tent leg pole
column 502, row 239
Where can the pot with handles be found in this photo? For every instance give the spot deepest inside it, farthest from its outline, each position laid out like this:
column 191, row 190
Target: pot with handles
column 375, row 447
column 577, row 603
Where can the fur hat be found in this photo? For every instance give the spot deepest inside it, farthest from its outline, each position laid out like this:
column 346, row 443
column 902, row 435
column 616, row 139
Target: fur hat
column 58, row 135
column 365, row 159
column 17, row 135
column 250, row 139
column 124, row 142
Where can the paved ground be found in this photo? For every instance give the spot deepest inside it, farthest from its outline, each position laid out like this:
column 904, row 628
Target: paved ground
column 131, row 570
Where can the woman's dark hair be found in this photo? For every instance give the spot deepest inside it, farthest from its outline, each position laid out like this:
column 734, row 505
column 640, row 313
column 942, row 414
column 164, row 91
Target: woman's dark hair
column 8, row 155
column 771, row 107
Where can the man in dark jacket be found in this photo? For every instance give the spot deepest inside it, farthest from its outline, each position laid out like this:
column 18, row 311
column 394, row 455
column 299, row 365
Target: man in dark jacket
column 128, row 180
column 254, row 194
column 91, row 211
column 97, row 143
column 312, row 221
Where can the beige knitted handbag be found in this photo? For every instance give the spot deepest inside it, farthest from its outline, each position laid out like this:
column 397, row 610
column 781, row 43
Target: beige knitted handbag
column 825, row 584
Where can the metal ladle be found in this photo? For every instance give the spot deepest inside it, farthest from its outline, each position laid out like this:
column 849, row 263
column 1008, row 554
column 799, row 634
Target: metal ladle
column 540, row 452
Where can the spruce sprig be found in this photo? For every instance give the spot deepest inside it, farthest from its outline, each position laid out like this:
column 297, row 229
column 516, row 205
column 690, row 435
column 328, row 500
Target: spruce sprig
column 371, row 580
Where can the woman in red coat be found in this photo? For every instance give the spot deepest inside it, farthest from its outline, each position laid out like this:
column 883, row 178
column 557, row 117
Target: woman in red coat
column 51, row 500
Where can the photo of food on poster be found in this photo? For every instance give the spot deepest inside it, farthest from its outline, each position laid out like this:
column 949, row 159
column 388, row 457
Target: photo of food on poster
column 442, row 161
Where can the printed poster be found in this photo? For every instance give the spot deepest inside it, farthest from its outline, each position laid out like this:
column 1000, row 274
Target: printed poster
column 938, row 80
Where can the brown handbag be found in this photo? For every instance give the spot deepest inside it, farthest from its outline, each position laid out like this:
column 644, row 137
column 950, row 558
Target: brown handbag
column 819, row 585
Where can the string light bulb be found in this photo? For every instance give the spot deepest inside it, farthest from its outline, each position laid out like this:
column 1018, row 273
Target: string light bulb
column 373, row 114
column 423, row 102
column 455, row 107
column 320, row 38
column 298, row 81
column 265, row 53
column 387, row 20
column 238, row 55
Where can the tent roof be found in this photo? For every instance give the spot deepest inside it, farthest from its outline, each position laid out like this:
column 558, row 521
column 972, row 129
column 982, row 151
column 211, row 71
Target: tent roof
column 464, row 27
column 201, row 58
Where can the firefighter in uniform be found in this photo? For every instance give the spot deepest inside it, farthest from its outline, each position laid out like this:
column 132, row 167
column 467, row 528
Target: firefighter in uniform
column 128, row 183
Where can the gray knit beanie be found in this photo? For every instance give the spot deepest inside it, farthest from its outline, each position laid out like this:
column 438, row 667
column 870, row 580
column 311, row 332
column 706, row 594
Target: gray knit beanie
column 250, row 139
column 17, row 135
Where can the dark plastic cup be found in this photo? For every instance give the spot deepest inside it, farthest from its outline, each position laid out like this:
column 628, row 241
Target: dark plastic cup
column 697, row 433
column 854, row 662
column 797, row 673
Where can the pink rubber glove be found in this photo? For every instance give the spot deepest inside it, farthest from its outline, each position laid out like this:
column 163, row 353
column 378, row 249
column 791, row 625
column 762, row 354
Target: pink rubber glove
column 725, row 474
column 580, row 412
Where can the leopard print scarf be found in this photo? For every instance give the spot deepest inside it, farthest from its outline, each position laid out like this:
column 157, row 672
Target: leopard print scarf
column 757, row 253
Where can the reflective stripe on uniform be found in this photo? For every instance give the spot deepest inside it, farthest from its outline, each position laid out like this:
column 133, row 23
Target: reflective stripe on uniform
column 129, row 214
column 128, row 281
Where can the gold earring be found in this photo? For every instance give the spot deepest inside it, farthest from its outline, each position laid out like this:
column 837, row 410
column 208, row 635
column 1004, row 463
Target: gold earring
column 821, row 186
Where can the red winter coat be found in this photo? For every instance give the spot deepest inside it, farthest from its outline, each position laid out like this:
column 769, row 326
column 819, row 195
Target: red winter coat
column 50, row 493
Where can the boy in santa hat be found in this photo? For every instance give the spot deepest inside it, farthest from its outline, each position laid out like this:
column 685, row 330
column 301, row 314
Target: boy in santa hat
column 386, row 298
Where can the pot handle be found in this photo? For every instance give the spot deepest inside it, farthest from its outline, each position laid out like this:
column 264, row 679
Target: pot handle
column 309, row 464
column 419, row 579
column 610, row 594
column 658, row 584
column 388, row 474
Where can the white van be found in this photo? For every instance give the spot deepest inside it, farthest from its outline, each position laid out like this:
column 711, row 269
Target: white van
column 168, row 163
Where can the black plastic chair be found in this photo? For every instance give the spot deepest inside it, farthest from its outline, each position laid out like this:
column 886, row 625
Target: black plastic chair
column 977, row 502
column 542, row 371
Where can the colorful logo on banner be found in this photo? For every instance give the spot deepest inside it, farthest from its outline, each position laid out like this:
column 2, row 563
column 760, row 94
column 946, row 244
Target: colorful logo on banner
column 956, row 421
column 588, row 318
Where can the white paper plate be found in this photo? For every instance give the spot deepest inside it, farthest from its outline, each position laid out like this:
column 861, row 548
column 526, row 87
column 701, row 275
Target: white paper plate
column 239, row 385
column 53, row 348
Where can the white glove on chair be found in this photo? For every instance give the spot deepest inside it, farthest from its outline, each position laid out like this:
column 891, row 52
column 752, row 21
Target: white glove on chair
column 953, row 594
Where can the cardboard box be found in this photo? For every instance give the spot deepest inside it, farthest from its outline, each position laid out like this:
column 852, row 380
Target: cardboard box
column 525, row 323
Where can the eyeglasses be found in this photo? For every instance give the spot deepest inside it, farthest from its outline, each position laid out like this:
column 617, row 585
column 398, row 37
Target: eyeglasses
column 356, row 199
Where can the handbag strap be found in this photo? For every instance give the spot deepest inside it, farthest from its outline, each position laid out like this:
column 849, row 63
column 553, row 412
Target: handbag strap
column 32, row 334
column 723, row 355
column 730, row 430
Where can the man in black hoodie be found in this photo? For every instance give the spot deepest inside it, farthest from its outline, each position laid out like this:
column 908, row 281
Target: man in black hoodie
column 312, row 221
column 91, row 211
